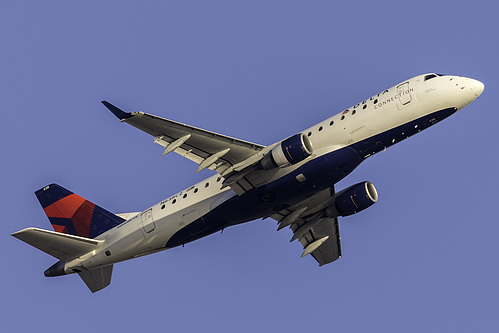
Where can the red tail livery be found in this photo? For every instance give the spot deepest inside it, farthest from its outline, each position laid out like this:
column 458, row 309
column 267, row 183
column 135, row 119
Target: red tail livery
column 71, row 214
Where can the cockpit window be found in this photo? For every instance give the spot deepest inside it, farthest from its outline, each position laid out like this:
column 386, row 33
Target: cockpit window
column 433, row 75
column 430, row 76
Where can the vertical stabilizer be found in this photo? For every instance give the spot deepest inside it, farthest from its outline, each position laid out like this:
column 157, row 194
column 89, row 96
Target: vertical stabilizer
column 98, row 278
column 71, row 214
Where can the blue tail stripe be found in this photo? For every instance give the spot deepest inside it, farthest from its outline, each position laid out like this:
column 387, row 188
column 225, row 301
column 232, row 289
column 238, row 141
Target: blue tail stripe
column 50, row 194
column 102, row 221
column 68, row 223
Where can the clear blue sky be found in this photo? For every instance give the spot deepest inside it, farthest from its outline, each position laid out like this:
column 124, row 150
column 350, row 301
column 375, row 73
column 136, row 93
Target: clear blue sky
column 423, row 259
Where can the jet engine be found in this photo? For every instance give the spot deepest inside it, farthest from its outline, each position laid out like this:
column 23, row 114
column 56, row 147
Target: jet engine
column 290, row 151
column 353, row 200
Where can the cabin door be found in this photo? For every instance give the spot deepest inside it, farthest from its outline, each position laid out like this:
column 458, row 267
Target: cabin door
column 147, row 221
column 404, row 93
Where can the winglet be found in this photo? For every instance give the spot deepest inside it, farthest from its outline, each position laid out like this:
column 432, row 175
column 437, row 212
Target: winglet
column 117, row 112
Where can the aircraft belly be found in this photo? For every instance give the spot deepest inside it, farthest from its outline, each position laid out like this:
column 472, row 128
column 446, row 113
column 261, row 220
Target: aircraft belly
column 314, row 176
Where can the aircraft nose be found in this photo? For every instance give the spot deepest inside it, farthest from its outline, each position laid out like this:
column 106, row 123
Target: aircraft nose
column 477, row 87
column 470, row 89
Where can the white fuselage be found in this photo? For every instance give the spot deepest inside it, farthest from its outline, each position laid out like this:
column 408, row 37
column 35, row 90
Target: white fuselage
column 380, row 115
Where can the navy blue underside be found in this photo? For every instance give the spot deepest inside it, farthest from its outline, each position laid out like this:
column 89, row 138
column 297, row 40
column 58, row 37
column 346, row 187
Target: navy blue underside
column 320, row 173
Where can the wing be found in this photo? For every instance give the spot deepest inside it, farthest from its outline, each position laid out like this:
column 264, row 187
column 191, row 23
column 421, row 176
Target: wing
column 319, row 234
column 323, row 241
column 193, row 143
column 230, row 157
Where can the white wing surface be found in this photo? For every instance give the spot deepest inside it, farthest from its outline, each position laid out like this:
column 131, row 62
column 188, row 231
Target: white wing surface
column 208, row 149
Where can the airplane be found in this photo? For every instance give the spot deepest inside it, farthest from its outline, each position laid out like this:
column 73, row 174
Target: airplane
column 291, row 181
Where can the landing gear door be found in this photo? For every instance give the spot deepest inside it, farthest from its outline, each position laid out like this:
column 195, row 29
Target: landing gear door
column 404, row 94
column 147, row 221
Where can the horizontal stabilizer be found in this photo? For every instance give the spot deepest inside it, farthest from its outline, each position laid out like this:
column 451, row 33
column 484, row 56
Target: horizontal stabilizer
column 61, row 246
column 98, row 278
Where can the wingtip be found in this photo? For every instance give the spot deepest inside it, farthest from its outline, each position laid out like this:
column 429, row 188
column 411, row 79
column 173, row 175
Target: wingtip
column 18, row 234
column 120, row 114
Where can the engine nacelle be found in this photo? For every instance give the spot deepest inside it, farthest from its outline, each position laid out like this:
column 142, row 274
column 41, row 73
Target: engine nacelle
column 353, row 200
column 290, row 151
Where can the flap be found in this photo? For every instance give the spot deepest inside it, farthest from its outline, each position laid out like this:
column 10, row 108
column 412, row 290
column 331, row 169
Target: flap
column 319, row 235
column 330, row 249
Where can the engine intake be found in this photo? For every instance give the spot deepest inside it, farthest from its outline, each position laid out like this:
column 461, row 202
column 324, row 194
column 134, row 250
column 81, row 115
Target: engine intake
column 353, row 200
column 290, row 151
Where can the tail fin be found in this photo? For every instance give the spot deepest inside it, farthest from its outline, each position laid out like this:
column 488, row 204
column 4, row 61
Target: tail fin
column 71, row 214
